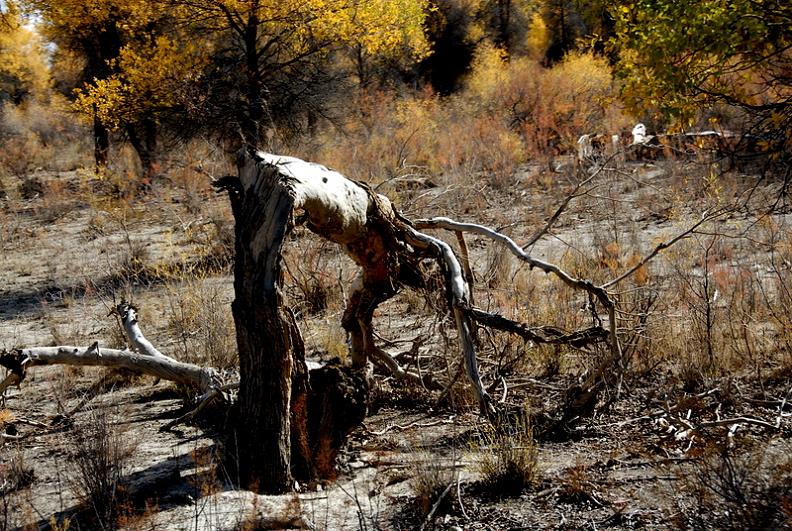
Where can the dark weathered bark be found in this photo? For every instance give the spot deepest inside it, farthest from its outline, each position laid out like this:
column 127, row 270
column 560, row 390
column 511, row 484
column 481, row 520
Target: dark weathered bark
column 337, row 405
column 266, row 332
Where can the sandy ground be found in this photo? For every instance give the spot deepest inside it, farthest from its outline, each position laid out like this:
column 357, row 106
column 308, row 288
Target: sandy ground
column 621, row 469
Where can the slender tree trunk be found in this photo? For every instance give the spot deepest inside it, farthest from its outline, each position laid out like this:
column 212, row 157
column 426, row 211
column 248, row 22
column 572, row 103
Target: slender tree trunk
column 504, row 21
column 254, row 112
column 100, row 53
column 144, row 140
column 101, row 144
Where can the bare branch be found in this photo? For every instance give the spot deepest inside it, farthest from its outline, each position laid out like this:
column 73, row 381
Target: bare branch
column 662, row 246
column 586, row 285
column 128, row 314
column 542, row 334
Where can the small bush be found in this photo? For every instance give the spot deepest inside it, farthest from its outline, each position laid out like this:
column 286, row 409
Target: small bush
column 99, row 457
column 508, row 463
column 749, row 490
column 15, row 477
column 507, row 113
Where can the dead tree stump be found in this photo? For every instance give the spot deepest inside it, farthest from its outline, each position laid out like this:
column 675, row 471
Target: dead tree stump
column 270, row 196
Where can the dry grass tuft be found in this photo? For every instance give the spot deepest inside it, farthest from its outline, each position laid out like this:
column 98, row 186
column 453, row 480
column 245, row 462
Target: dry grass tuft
column 508, row 457
column 430, row 481
column 199, row 317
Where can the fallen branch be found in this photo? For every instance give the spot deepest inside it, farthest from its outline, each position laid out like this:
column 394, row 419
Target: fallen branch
column 437, row 503
column 542, row 334
column 18, row 361
column 740, row 420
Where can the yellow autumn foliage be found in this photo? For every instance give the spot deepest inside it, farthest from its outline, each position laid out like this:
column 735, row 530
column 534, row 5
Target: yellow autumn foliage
column 147, row 82
column 80, row 18
column 23, row 61
column 150, row 73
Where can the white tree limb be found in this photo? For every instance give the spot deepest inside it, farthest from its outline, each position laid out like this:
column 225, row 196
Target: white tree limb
column 200, row 378
column 598, row 291
column 128, row 314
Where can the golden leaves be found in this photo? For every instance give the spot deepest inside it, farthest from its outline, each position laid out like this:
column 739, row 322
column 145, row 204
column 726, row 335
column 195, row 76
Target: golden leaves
column 23, row 62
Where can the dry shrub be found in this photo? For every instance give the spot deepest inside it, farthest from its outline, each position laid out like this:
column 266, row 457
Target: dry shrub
column 191, row 169
column 317, row 272
column 200, row 319
column 508, row 460
column 42, row 133
column 507, row 113
column 100, row 455
column 738, row 489
column 22, row 153
column 15, row 477
column 552, row 107
column 431, row 478
column 577, row 487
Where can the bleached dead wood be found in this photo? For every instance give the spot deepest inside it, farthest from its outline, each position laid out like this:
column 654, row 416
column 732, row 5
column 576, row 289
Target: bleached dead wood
column 148, row 360
column 129, row 320
column 199, row 378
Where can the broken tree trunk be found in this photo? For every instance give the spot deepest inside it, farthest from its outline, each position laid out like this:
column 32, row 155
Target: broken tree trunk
column 273, row 374
column 270, row 196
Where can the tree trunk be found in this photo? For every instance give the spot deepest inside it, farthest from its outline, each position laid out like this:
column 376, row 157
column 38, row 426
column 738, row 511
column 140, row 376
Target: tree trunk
column 100, row 49
column 267, row 336
column 143, row 138
column 101, row 144
column 254, row 111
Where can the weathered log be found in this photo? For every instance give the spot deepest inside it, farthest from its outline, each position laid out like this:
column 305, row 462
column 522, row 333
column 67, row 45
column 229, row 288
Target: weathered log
column 18, row 361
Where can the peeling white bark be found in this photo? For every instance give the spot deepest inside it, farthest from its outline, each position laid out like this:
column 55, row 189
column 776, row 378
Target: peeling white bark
column 330, row 200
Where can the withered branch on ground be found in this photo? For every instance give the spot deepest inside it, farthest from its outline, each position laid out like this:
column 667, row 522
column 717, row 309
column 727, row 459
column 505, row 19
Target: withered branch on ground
column 20, row 360
column 148, row 360
column 599, row 292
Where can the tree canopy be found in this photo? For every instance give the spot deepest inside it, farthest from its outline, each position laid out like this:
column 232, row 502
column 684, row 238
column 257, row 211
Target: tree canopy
column 677, row 57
